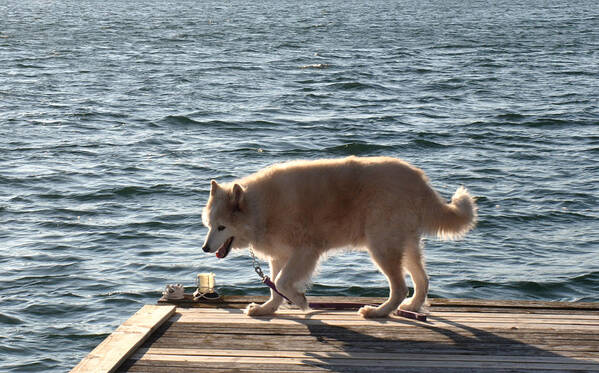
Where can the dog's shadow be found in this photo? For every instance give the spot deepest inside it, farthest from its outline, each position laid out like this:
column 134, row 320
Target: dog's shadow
column 350, row 348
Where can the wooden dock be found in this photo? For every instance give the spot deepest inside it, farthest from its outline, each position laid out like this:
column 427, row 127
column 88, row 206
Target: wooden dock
column 459, row 336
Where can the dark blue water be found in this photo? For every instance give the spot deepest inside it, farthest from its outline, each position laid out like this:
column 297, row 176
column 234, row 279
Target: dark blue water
column 114, row 116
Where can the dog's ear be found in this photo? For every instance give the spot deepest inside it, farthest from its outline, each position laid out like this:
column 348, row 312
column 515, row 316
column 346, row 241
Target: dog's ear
column 238, row 197
column 213, row 187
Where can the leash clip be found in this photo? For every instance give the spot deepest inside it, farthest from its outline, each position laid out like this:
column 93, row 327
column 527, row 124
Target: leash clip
column 265, row 279
column 256, row 265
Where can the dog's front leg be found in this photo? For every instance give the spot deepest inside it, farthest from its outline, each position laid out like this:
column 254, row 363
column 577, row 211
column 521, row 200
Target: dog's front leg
column 295, row 273
column 270, row 306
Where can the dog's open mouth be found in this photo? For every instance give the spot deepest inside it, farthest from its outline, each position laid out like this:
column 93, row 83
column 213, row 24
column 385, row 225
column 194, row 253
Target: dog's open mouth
column 223, row 251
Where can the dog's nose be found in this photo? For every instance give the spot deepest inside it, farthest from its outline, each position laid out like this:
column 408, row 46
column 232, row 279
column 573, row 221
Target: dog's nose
column 205, row 248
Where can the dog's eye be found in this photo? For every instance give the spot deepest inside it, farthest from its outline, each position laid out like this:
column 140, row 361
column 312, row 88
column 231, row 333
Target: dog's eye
column 220, row 228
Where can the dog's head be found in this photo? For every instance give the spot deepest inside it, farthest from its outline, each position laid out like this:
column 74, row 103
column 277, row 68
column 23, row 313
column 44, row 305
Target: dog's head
column 223, row 216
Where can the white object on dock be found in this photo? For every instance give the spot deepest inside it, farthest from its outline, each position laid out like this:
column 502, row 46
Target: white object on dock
column 205, row 283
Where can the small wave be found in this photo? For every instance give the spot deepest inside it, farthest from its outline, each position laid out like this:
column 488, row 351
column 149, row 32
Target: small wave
column 64, row 211
column 534, row 121
column 316, row 66
column 551, row 122
column 173, row 268
column 421, row 70
column 130, row 191
column 186, row 121
column 44, row 179
column 27, row 365
column 427, row 144
column 154, row 225
column 563, row 289
column 179, row 38
column 575, row 73
column 357, row 148
column 30, row 66
column 46, row 280
column 511, row 117
column 9, row 350
column 55, row 310
column 9, row 320
column 120, row 301
column 556, row 216
column 316, row 25
column 179, row 120
column 588, row 278
column 351, row 291
column 117, row 192
column 355, row 86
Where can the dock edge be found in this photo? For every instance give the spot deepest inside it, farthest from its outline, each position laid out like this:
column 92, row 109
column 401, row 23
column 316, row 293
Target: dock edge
column 123, row 342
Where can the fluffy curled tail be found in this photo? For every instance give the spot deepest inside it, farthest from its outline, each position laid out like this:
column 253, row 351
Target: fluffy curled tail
column 452, row 220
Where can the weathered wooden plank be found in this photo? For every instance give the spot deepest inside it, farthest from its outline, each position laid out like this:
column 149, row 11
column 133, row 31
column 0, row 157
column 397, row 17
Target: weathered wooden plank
column 289, row 326
column 216, row 323
column 149, row 366
column 378, row 330
column 482, row 317
column 142, row 353
column 398, row 322
column 481, row 303
column 507, row 313
column 332, row 344
column 411, row 344
column 222, row 368
column 515, row 325
column 115, row 349
column 567, row 364
column 432, row 320
column 158, row 366
column 240, row 301
column 213, row 367
column 354, row 338
column 358, row 333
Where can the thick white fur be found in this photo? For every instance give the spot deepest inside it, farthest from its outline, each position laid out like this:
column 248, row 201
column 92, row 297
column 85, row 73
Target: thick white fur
column 292, row 213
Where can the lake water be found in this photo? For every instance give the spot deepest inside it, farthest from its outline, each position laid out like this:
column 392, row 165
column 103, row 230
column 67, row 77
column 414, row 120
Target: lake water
column 115, row 115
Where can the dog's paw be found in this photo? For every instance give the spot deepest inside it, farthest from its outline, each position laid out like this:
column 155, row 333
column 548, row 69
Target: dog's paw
column 409, row 305
column 254, row 309
column 370, row 312
column 302, row 302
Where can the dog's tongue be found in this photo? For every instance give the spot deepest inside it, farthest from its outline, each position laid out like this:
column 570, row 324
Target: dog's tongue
column 224, row 249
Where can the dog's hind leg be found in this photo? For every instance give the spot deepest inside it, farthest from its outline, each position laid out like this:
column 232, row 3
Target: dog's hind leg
column 414, row 263
column 389, row 261
column 271, row 305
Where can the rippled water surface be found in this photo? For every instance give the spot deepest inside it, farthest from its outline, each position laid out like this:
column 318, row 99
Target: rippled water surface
column 115, row 115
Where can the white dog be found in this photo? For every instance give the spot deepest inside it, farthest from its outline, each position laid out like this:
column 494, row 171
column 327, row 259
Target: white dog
column 292, row 213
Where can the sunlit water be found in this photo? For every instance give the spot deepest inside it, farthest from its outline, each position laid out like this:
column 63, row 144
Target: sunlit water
column 114, row 116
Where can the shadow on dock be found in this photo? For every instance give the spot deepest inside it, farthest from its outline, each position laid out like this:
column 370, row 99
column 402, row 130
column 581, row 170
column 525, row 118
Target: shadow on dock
column 426, row 342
